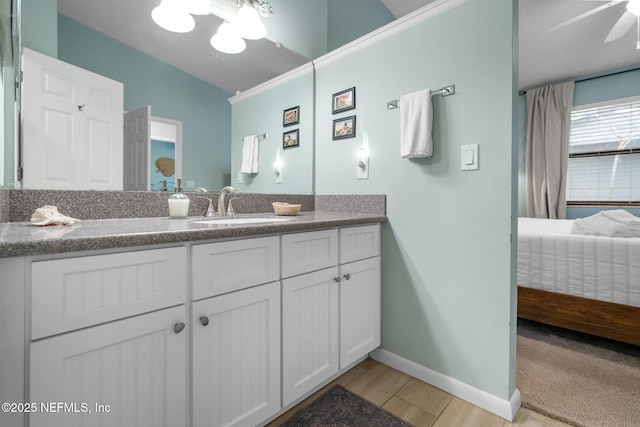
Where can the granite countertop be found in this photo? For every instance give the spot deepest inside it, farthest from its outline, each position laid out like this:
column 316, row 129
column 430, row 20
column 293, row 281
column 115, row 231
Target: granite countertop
column 22, row 238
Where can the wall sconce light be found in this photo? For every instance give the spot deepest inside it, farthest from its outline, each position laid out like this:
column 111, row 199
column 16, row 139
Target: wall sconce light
column 362, row 171
column 277, row 170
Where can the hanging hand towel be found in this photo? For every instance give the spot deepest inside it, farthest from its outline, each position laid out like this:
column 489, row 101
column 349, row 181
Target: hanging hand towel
column 416, row 118
column 250, row 150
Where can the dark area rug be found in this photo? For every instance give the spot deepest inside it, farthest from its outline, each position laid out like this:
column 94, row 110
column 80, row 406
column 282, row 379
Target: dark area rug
column 339, row 407
column 577, row 378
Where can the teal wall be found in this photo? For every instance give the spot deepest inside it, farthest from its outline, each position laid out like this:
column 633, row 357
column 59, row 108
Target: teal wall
column 349, row 19
column 263, row 113
column 300, row 25
column 312, row 28
column 203, row 108
column 611, row 85
column 40, row 26
column 448, row 293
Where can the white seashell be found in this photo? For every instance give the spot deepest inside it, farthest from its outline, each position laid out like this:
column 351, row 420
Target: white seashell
column 49, row 215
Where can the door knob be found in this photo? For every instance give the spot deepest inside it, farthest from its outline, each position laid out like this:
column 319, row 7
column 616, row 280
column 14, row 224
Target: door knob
column 178, row 327
column 204, row 320
column 347, row 276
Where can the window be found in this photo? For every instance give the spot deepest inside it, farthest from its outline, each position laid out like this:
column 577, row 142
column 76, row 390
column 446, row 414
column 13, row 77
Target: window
column 604, row 153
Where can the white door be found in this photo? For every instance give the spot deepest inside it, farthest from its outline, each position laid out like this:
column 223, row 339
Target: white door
column 309, row 331
column 131, row 372
column 359, row 309
column 236, row 357
column 136, row 148
column 71, row 126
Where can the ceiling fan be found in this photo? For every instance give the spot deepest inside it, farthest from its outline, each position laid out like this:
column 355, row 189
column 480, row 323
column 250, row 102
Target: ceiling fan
column 630, row 16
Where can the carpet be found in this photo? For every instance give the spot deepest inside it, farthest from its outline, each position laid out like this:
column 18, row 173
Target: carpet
column 338, row 407
column 577, row 378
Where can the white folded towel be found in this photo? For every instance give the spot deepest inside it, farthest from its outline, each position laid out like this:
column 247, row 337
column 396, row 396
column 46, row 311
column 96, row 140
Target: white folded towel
column 416, row 119
column 612, row 223
column 250, row 150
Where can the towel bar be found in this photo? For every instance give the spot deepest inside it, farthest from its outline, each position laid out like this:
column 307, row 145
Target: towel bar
column 261, row 137
column 445, row 91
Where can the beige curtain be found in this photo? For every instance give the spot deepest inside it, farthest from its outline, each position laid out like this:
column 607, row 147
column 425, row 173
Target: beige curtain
column 548, row 125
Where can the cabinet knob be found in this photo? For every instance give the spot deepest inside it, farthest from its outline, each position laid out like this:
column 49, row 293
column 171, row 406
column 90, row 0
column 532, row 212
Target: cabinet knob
column 204, row 320
column 347, row 276
column 337, row 279
column 178, row 327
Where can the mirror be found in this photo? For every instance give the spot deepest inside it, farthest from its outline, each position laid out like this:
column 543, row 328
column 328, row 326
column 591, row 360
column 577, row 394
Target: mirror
column 9, row 44
column 203, row 108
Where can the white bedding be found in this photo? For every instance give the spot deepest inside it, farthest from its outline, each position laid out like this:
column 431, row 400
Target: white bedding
column 552, row 258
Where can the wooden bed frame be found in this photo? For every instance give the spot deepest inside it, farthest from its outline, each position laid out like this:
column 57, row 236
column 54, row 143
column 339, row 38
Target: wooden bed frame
column 604, row 319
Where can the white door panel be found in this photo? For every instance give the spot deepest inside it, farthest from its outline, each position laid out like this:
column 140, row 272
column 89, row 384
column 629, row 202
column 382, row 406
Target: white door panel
column 71, row 126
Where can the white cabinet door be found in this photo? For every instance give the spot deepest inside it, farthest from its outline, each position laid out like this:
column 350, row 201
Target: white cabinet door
column 309, row 331
column 71, row 123
column 131, row 372
column 359, row 309
column 236, row 357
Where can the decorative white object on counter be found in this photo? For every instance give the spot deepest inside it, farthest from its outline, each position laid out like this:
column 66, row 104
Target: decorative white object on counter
column 281, row 208
column 49, row 215
column 178, row 203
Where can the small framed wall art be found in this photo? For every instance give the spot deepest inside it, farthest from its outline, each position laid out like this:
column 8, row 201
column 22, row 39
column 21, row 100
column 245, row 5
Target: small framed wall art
column 344, row 127
column 344, row 100
column 291, row 116
column 290, row 139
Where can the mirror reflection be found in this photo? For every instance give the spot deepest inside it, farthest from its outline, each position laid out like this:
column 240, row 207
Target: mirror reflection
column 183, row 85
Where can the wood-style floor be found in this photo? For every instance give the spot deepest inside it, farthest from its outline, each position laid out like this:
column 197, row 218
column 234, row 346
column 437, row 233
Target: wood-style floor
column 417, row 402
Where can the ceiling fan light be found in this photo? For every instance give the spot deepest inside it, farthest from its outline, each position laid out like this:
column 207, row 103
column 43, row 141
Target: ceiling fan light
column 633, row 6
column 248, row 23
column 172, row 17
column 227, row 40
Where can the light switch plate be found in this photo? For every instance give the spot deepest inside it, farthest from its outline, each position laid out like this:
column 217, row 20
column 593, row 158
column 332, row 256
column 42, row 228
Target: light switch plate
column 469, row 157
column 279, row 177
column 239, row 178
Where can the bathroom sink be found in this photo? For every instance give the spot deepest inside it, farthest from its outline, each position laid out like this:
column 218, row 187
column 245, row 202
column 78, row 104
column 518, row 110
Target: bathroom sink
column 245, row 220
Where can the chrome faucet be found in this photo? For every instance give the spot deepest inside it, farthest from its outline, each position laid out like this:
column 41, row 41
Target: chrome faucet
column 222, row 209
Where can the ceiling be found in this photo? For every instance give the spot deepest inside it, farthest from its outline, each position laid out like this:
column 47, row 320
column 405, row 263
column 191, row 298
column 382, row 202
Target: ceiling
column 574, row 51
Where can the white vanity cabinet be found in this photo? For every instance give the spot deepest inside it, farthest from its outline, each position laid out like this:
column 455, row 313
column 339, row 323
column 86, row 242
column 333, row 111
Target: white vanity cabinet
column 330, row 304
column 360, row 297
column 218, row 333
column 109, row 340
column 236, row 332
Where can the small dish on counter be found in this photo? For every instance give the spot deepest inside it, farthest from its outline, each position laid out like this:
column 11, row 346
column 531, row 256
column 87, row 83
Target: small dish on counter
column 286, row 209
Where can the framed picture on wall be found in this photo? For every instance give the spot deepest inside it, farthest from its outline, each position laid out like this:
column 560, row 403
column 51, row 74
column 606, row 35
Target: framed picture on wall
column 344, row 100
column 291, row 116
column 290, row 139
column 344, row 127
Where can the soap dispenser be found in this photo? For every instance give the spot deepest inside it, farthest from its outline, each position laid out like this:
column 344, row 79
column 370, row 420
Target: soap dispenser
column 178, row 203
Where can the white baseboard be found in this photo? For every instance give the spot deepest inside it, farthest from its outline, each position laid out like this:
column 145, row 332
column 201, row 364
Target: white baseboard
column 506, row 409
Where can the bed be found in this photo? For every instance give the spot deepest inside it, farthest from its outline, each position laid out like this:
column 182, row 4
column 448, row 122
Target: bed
column 581, row 282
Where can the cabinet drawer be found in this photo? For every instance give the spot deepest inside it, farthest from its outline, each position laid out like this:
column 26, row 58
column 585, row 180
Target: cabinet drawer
column 224, row 267
column 73, row 293
column 359, row 243
column 305, row 252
